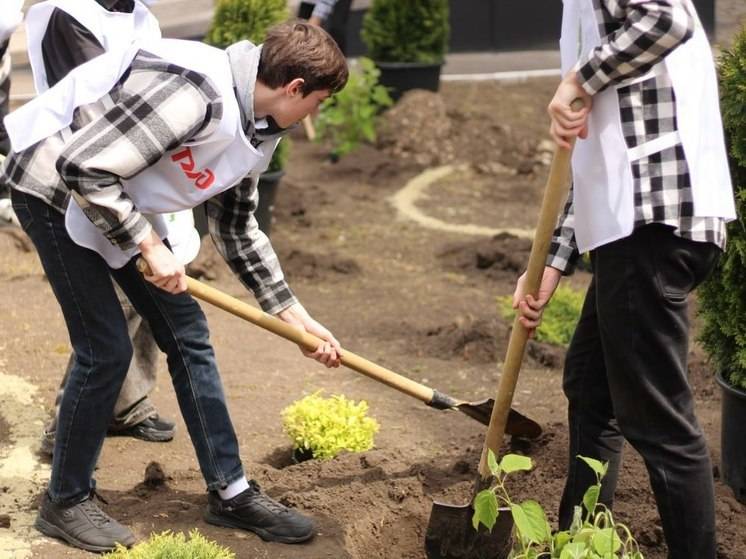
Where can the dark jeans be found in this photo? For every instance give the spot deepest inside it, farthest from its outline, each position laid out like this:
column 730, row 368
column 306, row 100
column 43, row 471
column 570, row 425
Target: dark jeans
column 81, row 281
column 336, row 24
column 626, row 377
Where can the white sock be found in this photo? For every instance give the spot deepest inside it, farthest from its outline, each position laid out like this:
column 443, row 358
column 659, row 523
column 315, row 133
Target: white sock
column 234, row 488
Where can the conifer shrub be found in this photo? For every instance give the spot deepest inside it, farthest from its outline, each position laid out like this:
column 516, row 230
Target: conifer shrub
column 722, row 297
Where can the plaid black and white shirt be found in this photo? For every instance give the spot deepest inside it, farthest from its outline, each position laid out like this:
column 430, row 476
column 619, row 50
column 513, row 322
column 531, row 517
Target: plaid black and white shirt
column 156, row 107
column 638, row 34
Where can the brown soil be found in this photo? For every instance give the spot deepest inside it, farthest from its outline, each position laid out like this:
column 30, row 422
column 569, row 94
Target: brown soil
column 416, row 300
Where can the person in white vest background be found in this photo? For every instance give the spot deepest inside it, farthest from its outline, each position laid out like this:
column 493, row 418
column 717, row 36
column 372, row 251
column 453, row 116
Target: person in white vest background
column 650, row 198
column 135, row 133
column 61, row 35
column 10, row 16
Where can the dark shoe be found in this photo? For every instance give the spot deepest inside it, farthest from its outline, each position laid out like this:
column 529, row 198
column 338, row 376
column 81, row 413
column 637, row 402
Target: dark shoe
column 83, row 525
column 252, row 510
column 152, row 429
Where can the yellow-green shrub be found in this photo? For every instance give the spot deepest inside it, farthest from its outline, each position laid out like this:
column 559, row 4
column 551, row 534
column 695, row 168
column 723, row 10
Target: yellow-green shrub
column 560, row 317
column 173, row 546
column 327, row 426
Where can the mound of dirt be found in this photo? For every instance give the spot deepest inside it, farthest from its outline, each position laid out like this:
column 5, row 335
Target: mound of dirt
column 477, row 340
column 484, row 341
column 307, row 265
column 376, row 505
column 422, row 128
column 418, row 128
column 493, row 258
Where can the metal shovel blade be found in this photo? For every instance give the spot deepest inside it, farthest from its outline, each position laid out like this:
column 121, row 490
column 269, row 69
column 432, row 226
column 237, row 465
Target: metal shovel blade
column 518, row 424
column 451, row 535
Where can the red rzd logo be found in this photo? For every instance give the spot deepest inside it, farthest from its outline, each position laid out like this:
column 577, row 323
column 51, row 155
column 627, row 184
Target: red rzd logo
column 202, row 179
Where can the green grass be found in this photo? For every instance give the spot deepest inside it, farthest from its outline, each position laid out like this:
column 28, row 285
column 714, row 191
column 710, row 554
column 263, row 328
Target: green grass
column 173, row 546
column 560, row 317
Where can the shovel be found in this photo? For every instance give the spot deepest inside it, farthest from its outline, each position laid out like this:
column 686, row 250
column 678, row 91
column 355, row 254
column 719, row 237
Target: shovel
column 450, row 533
column 517, row 424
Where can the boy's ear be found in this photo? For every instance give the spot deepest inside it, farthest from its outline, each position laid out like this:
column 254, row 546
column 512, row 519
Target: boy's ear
column 295, row 87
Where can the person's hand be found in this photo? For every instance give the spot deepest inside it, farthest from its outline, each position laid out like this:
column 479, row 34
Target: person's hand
column 315, row 20
column 529, row 308
column 165, row 271
column 329, row 351
column 567, row 123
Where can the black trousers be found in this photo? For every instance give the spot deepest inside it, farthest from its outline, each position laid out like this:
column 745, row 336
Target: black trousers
column 626, row 378
column 336, row 25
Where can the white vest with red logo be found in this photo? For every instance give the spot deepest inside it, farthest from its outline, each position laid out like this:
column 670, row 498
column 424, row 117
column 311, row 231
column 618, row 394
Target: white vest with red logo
column 192, row 173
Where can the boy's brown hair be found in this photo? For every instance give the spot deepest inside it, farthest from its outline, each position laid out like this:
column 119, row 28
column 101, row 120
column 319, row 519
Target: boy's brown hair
column 298, row 49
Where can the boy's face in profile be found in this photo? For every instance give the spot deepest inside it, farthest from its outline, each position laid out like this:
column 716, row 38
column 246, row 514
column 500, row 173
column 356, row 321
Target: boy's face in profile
column 293, row 106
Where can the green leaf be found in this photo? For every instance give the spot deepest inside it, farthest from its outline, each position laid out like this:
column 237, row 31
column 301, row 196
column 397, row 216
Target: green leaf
column 485, row 510
column 574, row 551
column 531, row 522
column 584, row 535
column 492, row 463
column 561, row 539
column 515, row 463
column 590, row 499
column 606, row 541
column 596, row 465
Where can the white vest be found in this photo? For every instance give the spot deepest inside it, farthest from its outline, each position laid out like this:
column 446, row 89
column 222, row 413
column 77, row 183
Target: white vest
column 602, row 174
column 113, row 30
column 10, row 16
column 190, row 174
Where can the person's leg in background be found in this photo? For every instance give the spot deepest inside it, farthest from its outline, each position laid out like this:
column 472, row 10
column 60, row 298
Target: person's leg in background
column 335, row 23
column 134, row 414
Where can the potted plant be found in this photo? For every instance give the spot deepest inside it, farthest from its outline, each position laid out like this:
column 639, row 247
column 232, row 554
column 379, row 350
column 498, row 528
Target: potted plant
column 323, row 427
column 722, row 297
column 349, row 117
column 407, row 41
column 593, row 533
column 237, row 20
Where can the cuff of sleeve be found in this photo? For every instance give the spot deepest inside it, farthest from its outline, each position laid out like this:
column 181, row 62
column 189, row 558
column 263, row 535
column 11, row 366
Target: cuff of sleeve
column 321, row 11
column 562, row 257
column 591, row 79
column 275, row 298
column 131, row 233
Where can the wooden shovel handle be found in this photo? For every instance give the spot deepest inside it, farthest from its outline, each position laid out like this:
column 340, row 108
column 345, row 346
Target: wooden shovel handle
column 554, row 196
column 309, row 128
column 308, row 341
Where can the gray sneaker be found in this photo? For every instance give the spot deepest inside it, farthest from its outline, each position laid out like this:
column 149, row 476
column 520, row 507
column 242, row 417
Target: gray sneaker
column 83, row 525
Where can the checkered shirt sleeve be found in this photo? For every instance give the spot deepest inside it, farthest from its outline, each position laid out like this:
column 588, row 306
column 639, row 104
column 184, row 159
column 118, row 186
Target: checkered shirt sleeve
column 638, row 34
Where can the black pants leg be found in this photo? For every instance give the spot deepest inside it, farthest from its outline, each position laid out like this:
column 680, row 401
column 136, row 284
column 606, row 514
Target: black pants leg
column 336, row 24
column 626, row 373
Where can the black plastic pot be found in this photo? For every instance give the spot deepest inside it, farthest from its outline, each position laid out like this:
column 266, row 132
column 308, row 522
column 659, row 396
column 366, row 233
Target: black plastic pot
column 400, row 77
column 268, row 185
column 732, row 447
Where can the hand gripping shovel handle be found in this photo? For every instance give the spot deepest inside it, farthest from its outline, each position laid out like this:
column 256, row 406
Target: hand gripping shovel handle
column 301, row 338
column 554, row 196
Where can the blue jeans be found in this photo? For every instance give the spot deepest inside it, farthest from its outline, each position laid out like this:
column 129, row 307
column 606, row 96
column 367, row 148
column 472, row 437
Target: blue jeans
column 81, row 281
